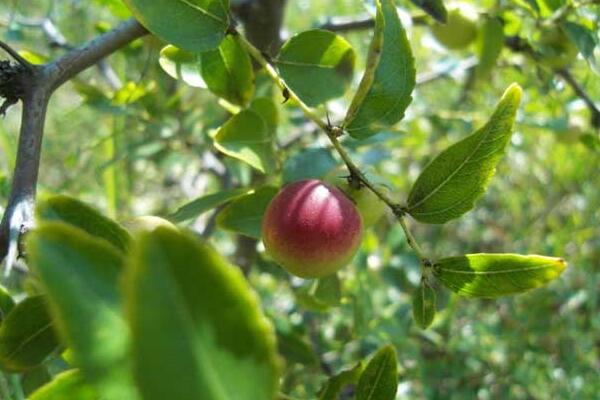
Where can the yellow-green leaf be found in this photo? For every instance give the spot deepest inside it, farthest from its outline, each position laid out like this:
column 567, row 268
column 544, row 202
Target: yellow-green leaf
column 449, row 186
column 66, row 385
column 182, row 65
column 492, row 275
column 246, row 137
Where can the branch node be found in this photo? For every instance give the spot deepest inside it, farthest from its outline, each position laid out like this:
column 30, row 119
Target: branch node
column 16, row 56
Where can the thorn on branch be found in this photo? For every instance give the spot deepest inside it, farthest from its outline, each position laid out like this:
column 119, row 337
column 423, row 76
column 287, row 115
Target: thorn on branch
column 399, row 211
column 286, row 95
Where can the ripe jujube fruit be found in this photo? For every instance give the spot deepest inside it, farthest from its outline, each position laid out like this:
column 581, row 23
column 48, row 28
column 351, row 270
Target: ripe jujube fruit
column 311, row 229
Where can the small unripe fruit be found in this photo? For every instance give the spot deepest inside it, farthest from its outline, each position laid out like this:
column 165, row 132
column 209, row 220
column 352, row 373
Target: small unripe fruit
column 370, row 207
column 311, row 229
column 459, row 30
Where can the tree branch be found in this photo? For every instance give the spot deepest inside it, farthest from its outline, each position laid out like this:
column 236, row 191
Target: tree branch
column 15, row 55
column 37, row 83
column 582, row 94
column 81, row 58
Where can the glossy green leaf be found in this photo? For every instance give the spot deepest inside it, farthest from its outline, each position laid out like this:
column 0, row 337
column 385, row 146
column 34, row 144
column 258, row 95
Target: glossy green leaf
column 66, row 385
column 195, row 322
column 193, row 25
column 493, row 275
column 81, row 275
column 27, row 335
column 76, row 213
column 268, row 110
column 423, row 305
column 449, row 186
column 182, row 65
column 244, row 215
column 586, row 41
column 489, row 46
column 246, row 137
column 389, row 79
column 334, row 386
column 379, row 380
column 317, row 65
column 206, row 203
column 308, row 163
column 228, row 72
column 6, row 303
column 435, row 8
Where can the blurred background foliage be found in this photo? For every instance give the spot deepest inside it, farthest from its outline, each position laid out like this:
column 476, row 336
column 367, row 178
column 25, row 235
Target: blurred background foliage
column 131, row 140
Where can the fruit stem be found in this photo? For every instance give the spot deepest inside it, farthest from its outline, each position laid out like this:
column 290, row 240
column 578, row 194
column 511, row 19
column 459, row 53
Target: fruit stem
column 332, row 133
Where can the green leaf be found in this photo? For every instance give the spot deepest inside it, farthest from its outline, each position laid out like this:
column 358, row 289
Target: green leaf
column 196, row 322
column 81, row 275
column 67, row 385
column 423, row 305
column 203, row 204
column 317, row 65
column 193, row 25
column 334, row 386
column 34, row 379
column 493, row 275
column 389, row 79
column 246, row 137
column 379, row 380
column 6, row 303
column 296, row 348
column 435, row 8
column 308, row 163
column 268, row 110
column 27, row 336
column 585, row 40
column 182, row 65
column 454, row 180
column 489, row 46
column 244, row 215
column 76, row 213
column 228, row 72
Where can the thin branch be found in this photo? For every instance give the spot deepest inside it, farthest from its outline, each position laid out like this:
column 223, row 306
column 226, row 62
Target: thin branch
column 14, row 54
column 344, row 24
column 81, row 58
column 582, row 94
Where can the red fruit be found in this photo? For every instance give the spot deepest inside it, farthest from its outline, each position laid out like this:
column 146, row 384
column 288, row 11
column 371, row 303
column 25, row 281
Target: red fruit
column 311, row 229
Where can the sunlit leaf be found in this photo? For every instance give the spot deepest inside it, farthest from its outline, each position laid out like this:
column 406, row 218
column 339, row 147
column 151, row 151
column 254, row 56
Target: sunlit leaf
column 27, row 335
column 317, row 65
column 182, row 65
column 199, row 206
column 228, row 72
column 66, row 385
column 198, row 330
column 245, row 214
column 449, row 186
column 76, row 213
column 379, row 380
column 492, row 275
column 197, row 25
column 423, row 305
column 385, row 90
column 81, row 277
column 246, row 137
column 6, row 303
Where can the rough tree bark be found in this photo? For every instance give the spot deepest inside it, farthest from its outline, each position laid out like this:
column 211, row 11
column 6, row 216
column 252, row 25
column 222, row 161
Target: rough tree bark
column 35, row 85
